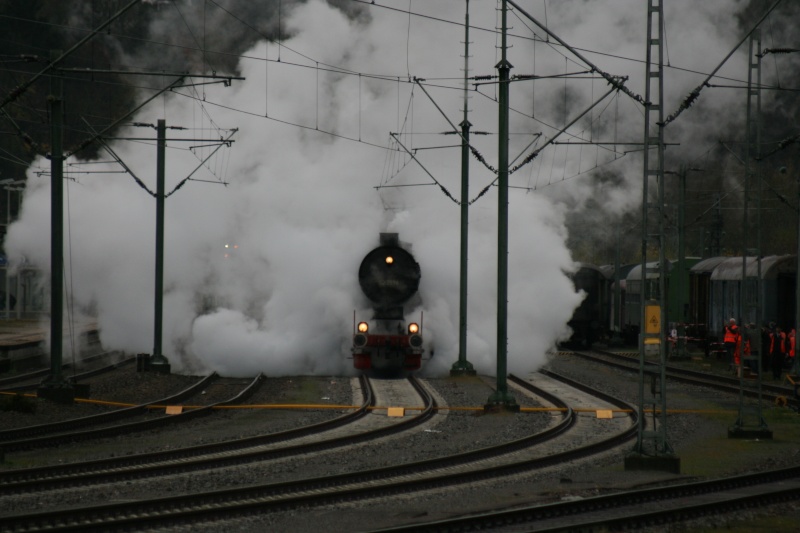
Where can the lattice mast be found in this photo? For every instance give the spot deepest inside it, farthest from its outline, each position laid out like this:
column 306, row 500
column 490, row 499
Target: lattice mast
column 652, row 440
column 750, row 420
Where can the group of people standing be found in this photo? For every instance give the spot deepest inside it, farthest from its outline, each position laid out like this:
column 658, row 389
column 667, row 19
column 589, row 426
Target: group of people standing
column 774, row 346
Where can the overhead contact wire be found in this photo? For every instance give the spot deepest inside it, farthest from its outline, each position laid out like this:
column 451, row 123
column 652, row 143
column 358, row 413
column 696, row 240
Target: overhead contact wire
column 695, row 94
column 442, row 187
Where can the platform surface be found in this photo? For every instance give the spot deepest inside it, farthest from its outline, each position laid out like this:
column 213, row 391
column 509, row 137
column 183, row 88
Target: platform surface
column 22, row 332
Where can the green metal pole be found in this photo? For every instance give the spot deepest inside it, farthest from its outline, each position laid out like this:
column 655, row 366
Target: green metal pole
column 159, row 362
column 617, row 318
column 55, row 387
column 463, row 367
column 501, row 398
column 56, row 241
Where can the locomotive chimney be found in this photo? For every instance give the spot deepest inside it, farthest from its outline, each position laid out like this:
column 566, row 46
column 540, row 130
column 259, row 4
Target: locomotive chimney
column 390, row 239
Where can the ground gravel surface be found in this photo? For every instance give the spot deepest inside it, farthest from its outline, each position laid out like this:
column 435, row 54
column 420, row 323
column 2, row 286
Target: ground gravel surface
column 694, row 435
column 123, row 385
column 221, row 425
column 449, row 432
column 699, row 439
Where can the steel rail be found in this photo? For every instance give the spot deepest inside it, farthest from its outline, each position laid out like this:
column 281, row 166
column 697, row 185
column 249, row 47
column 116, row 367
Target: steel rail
column 50, row 434
column 722, row 383
column 531, row 515
column 46, row 371
column 156, row 463
column 181, row 460
column 303, row 493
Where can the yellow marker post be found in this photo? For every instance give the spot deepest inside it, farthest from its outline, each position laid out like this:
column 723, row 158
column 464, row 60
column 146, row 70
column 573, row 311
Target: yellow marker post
column 605, row 413
column 396, row 412
column 652, row 329
column 174, row 409
column 652, row 319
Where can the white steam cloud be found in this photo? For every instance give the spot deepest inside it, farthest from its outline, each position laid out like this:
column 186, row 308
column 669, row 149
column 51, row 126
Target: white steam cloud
column 302, row 207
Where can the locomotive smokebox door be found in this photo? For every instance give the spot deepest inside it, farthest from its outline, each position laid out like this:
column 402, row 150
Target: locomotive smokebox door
column 389, row 277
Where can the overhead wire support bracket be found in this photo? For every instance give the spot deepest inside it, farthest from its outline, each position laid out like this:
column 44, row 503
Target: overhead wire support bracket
column 536, row 152
column 224, row 142
column 404, row 185
column 26, row 138
column 525, row 77
column 121, row 162
column 530, row 157
column 695, row 94
column 471, row 133
column 777, row 51
column 612, row 80
column 414, row 157
column 17, row 91
column 94, row 138
column 173, row 139
column 150, row 73
column 225, row 80
column 781, row 145
column 456, row 131
column 609, row 142
column 528, row 77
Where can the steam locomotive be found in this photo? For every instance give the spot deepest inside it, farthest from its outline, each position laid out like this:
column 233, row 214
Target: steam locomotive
column 387, row 344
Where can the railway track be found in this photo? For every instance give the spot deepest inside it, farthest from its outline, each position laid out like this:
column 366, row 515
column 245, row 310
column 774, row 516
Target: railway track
column 488, row 463
column 217, row 455
column 731, row 384
column 53, row 434
column 634, row 510
column 30, row 380
column 654, row 508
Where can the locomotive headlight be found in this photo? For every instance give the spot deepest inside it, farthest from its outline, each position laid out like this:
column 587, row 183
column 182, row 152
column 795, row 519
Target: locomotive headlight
column 413, row 328
column 363, row 327
column 389, row 259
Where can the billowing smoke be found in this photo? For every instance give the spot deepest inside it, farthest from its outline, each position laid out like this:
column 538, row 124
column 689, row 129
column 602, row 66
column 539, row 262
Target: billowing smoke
column 695, row 41
column 310, row 185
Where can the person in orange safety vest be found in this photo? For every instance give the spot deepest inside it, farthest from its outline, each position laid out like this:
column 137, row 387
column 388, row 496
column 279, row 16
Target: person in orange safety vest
column 730, row 338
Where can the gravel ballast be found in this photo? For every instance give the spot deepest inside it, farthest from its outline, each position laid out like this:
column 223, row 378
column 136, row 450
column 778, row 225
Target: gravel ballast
column 691, row 433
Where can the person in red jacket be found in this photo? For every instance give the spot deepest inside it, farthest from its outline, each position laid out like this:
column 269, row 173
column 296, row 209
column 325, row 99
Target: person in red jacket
column 730, row 338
